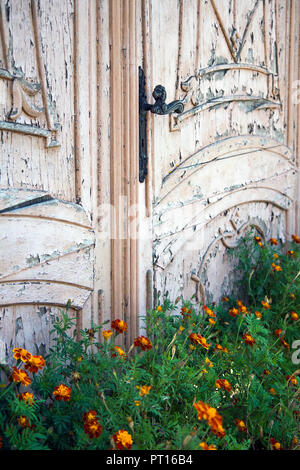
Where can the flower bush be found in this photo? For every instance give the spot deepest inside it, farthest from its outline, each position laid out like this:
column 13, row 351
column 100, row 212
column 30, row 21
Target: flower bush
column 200, row 377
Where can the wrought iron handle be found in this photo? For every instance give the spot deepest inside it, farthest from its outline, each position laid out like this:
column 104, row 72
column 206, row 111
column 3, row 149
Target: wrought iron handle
column 159, row 107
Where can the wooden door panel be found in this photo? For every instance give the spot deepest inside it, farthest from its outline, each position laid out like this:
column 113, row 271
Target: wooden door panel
column 234, row 147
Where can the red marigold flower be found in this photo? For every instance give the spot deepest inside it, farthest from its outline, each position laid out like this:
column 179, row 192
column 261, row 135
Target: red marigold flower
column 119, row 325
column 278, row 332
column 275, row 444
column 23, row 421
column 233, row 312
column 248, row 339
column 291, row 253
column 273, row 241
column 185, row 312
column 122, row 439
column 142, row 342
column 198, row 339
column 35, row 363
column 284, row 343
column 92, row 427
column 223, row 383
column 21, row 376
column 296, row 239
column 240, row 425
column 22, row 354
column 62, row 393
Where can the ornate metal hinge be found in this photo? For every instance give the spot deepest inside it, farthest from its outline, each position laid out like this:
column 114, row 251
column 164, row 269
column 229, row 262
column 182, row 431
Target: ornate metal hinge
column 159, row 107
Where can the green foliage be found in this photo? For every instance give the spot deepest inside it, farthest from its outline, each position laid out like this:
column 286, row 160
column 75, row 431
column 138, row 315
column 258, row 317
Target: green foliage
column 150, row 393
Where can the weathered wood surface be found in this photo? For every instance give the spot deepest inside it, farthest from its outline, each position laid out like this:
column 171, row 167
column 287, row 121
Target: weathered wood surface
column 74, row 221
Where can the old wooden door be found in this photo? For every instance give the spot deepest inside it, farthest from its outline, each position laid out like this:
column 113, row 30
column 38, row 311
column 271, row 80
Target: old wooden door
column 230, row 159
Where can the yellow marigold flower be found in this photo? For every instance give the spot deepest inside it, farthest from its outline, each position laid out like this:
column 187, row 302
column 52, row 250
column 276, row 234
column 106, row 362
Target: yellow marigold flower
column 275, row 444
column 79, row 359
column 265, row 304
column 198, row 339
column 123, row 440
column 275, row 255
column 204, row 446
column 137, row 402
column 294, row 316
column 273, row 241
column 21, row 376
column 240, row 425
column 204, row 371
column 27, row 397
column 62, row 393
column 248, row 339
column 119, row 325
column 144, row 390
column 181, row 328
column 22, row 354
column 210, row 364
column 257, row 314
column 223, row 383
column 106, row 334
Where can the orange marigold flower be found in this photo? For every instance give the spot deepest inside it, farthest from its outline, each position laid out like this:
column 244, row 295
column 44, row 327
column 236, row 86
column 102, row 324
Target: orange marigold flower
column 159, row 308
column 292, row 296
column 208, row 362
column 210, row 312
column 257, row 314
column 292, row 379
column 35, row 363
column 233, row 312
column 248, row 339
column 106, row 334
column 278, row 332
column 62, row 393
column 198, row 339
column 272, row 391
column 211, row 321
column 185, row 312
column 284, row 343
column 218, row 347
column 276, row 267
column 265, row 304
column 296, row 239
column 144, row 389
column 143, row 343
column 295, row 441
column 240, row 425
column 257, row 239
column 22, row 354
column 273, row 241
column 294, row 316
column 23, row 421
column 21, row 376
column 119, row 351
column 119, row 325
column 211, row 415
column 204, row 446
column 225, row 299
column 275, row 444
column 27, row 397
column 223, row 383
column 123, row 440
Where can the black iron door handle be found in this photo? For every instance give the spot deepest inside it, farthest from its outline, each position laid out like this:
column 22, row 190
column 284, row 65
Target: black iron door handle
column 159, row 107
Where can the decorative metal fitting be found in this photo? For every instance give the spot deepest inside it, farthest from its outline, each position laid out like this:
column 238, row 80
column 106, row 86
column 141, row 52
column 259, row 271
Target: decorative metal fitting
column 159, row 107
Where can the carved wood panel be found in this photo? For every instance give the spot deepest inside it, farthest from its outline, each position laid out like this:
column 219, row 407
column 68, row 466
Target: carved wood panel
column 235, row 145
